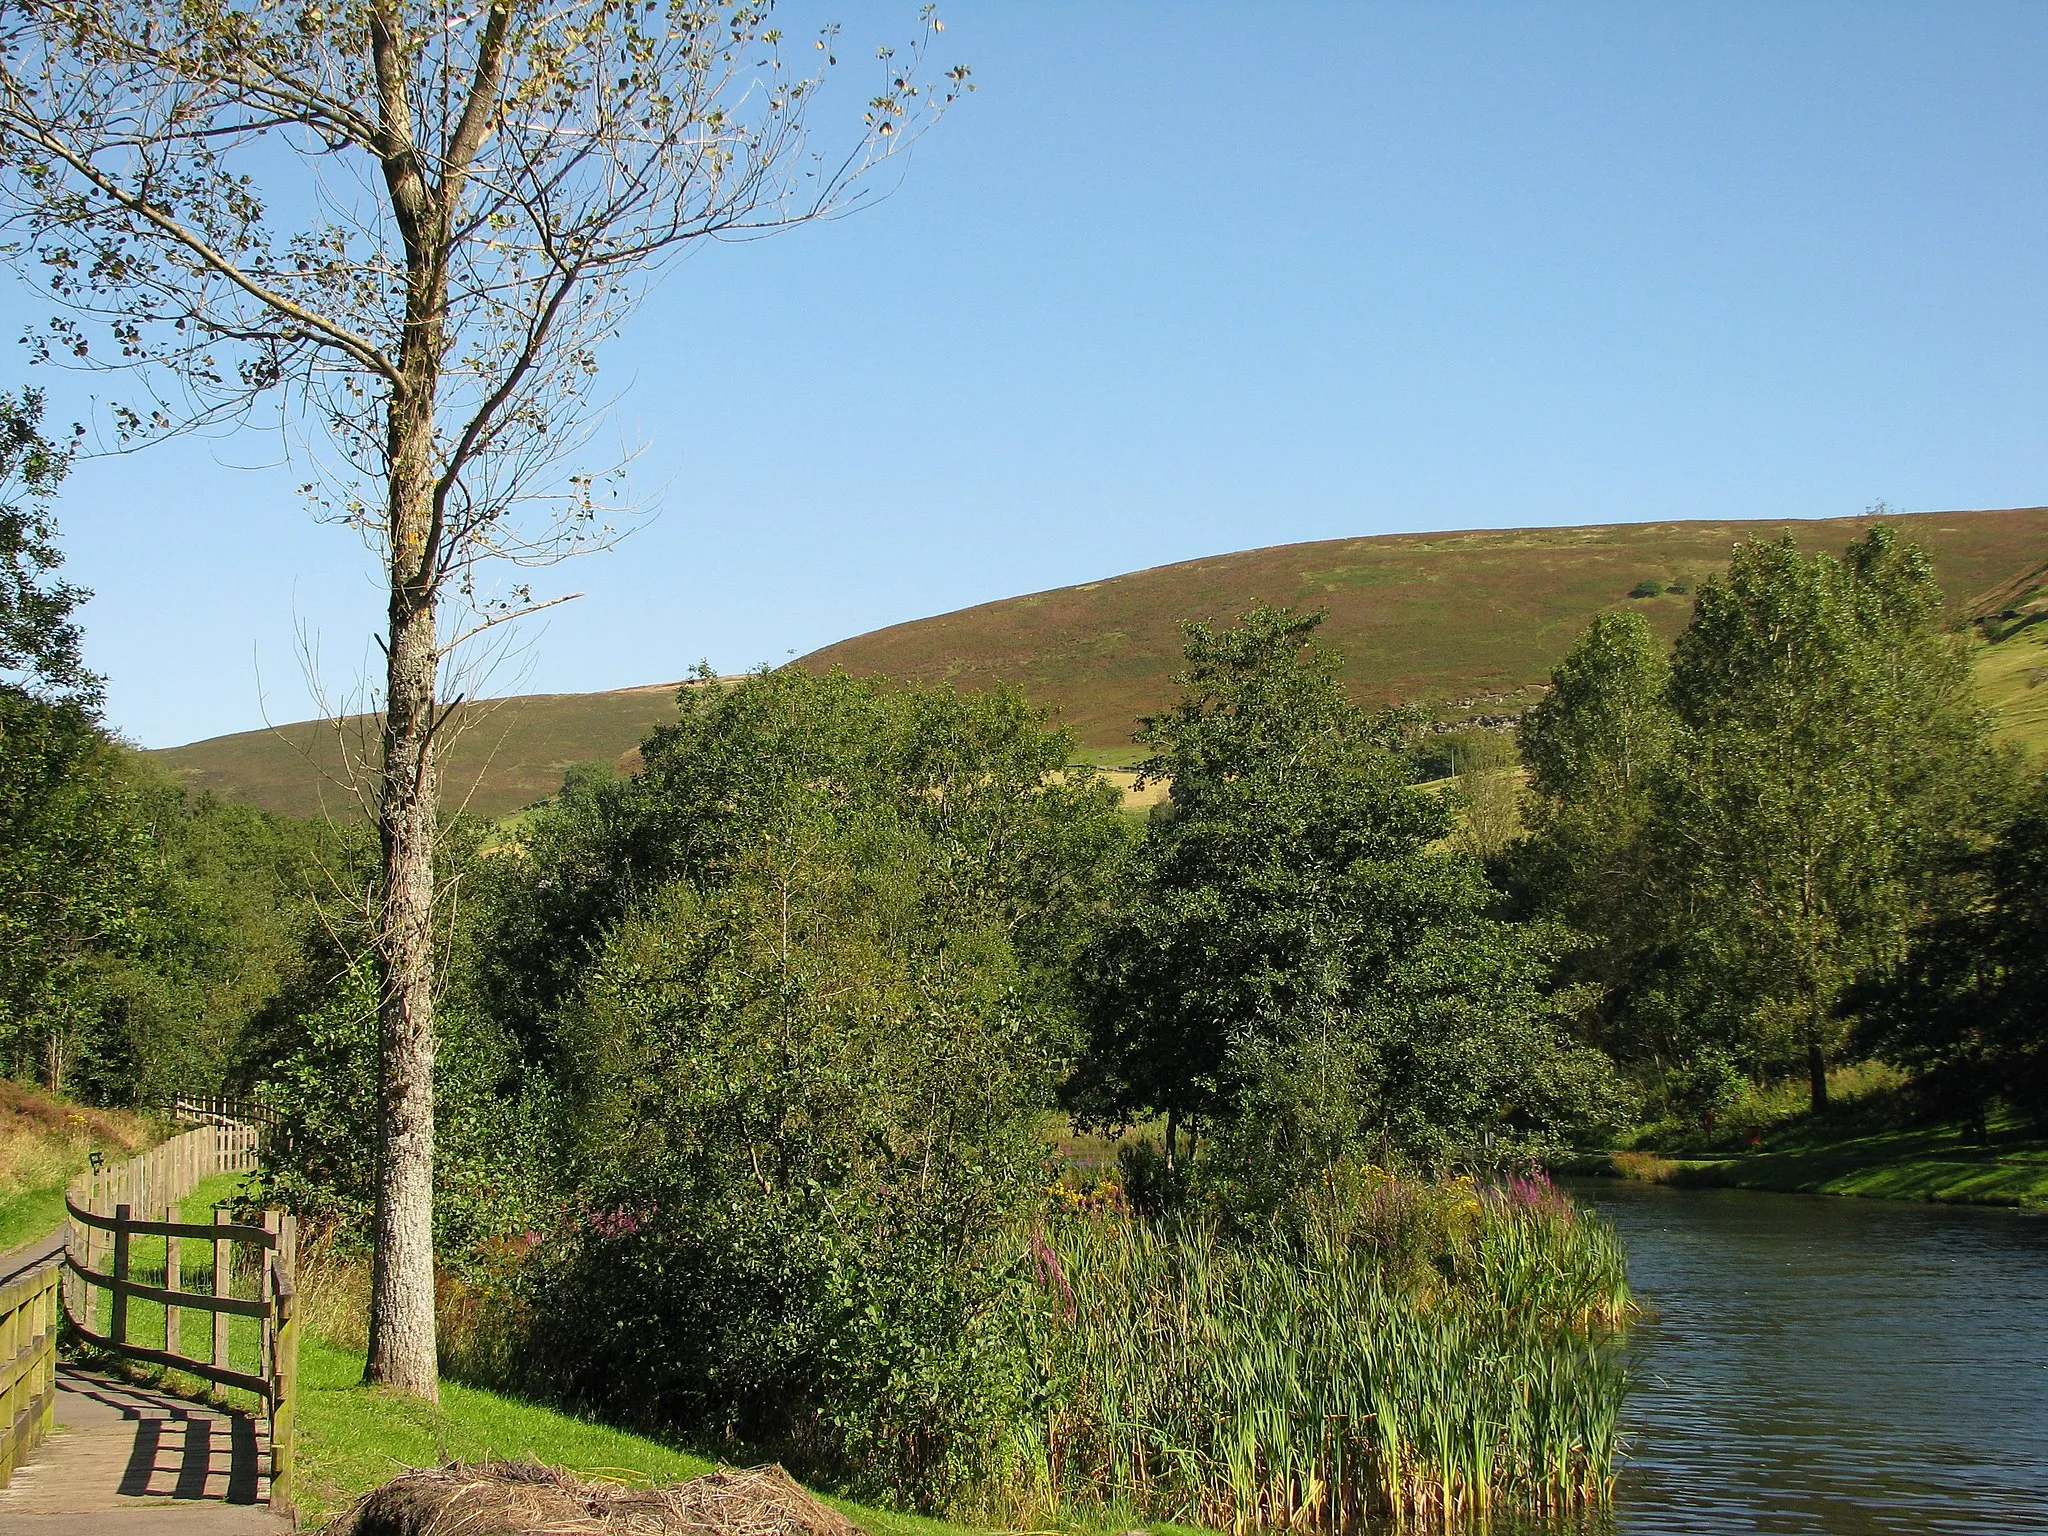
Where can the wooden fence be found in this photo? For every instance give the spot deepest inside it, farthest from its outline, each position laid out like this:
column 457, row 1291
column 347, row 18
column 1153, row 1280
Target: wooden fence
column 28, row 1348
column 111, row 1207
column 218, row 1109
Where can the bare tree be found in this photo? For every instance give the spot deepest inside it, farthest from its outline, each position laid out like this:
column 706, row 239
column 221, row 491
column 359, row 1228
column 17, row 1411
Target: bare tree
column 404, row 226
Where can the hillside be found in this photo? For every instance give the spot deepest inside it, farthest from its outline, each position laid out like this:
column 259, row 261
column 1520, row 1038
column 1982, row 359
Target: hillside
column 505, row 753
column 1467, row 623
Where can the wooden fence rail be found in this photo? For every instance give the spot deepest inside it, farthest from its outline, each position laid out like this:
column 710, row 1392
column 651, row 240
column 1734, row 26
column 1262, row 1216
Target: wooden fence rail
column 101, row 1256
column 218, row 1109
column 28, row 1348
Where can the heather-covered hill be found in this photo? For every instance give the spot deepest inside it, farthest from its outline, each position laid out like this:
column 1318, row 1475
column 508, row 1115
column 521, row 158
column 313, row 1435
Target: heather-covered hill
column 1467, row 623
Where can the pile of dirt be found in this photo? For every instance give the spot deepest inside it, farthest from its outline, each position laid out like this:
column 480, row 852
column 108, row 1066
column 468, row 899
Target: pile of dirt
column 522, row 1499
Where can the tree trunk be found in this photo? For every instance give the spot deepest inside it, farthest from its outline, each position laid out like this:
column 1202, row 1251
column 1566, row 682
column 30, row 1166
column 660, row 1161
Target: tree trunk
column 402, row 1350
column 1817, row 1075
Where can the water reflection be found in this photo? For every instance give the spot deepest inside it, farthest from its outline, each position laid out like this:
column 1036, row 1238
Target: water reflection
column 1830, row 1365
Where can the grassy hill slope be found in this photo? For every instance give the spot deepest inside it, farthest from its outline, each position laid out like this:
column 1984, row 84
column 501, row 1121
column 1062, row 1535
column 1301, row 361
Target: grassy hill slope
column 506, row 753
column 2012, row 671
column 1468, row 623
column 2012, row 677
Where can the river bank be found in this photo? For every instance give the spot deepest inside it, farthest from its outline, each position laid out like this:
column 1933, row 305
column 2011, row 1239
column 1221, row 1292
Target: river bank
column 1940, row 1163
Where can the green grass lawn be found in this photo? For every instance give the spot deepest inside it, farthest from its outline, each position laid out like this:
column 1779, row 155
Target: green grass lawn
column 2012, row 677
column 1915, row 1162
column 45, row 1141
column 29, row 1214
column 353, row 1437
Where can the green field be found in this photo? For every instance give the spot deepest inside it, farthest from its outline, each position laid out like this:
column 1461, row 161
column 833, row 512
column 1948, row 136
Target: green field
column 2012, row 677
column 1930, row 1162
column 1873, row 1140
column 1469, row 624
column 44, row 1142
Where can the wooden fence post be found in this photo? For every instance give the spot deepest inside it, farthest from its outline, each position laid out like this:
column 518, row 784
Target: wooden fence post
column 171, row 1330
column 70, row 1282
column 285, row 1365
column 266, row 1281
column 88, row 1304
column 223, row 1284
column 121, row 1241
column 12, row 1338
column 50, row 1305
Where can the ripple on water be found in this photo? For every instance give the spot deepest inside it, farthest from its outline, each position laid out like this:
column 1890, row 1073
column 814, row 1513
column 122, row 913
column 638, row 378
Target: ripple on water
column 1832, row 1365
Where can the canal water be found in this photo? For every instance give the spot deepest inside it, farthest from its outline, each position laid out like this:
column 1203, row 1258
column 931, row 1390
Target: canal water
column 1832, row 1365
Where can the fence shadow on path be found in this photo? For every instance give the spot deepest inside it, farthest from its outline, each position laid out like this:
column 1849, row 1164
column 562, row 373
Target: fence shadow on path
column 211, row 1299
column 119, row 1446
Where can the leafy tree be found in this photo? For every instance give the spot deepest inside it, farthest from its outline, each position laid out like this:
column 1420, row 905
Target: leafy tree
column 220, row 925
column 1594, row 741
column 145, row 927
column 311, row 1054
column 1594, row 746
column 74, row 868
column 1240, row 900
column 70, row 854
column 39, row 640
column 404, row 227
column 821, row 1101
column 140, row 926
column 1967, row 1010
column 804, row 982
column 1294, row 961
column 1748, row 831
column 1015, row 836
column 1832, row 748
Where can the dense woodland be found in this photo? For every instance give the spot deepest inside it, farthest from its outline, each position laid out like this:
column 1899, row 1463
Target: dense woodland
column 754, row 1067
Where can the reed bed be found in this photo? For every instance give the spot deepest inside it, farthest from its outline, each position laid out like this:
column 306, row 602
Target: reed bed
column 1423, row 1352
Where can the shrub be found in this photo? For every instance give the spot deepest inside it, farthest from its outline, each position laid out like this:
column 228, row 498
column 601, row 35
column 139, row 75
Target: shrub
column 493, row 1161
column 1650, row 586
column 804, row 1173
column 805, row 989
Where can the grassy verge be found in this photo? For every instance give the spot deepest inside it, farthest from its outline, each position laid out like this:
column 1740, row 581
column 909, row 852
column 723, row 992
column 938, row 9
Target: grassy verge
column 27, row 1214
column 44, row 1141
column 1855, row 1153
column 353, row 1437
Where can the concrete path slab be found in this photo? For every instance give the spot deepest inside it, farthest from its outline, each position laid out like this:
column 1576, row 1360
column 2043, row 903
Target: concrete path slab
column 128, row 1459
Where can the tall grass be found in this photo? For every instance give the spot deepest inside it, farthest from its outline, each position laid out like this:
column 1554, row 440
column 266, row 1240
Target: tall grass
column 1394, row 1349
column 1412, row 1351
column 44, row 1141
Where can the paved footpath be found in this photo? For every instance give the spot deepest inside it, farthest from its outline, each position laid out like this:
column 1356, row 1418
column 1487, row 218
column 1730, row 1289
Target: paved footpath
column 125, row 1461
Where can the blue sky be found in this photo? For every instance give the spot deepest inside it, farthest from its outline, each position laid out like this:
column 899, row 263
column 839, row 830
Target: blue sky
column 1184, row 278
